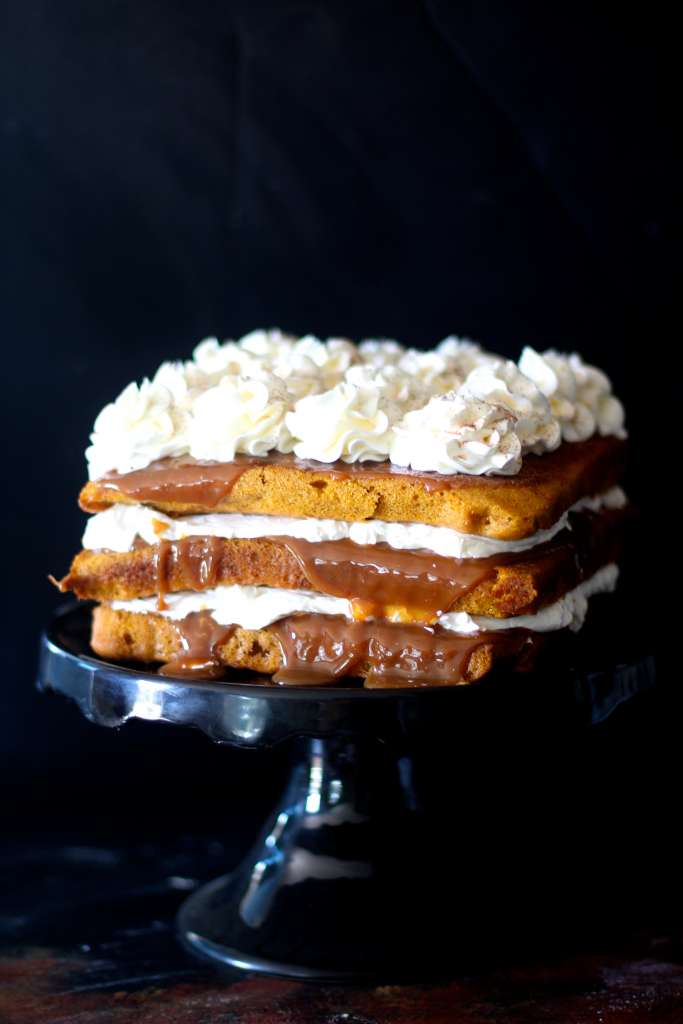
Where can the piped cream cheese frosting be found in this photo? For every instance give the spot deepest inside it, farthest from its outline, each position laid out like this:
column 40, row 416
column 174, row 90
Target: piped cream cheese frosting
column 454, row 409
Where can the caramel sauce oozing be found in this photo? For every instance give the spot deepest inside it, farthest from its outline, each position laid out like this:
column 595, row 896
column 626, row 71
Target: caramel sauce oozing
column 181, row 479
column 396, row 596
column 385, row 582
column 200, row 636
column 204, row 483
column 187, row 480
column 318, row 650
column 196, row 558
column 403, row 586
column 410, row 588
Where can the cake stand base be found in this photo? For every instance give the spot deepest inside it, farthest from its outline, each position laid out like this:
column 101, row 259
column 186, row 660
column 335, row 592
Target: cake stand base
column 415, row 826
column 317, row 896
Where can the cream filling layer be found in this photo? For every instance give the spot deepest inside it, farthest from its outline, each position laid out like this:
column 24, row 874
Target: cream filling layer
column 117, row 527
column 257, row 607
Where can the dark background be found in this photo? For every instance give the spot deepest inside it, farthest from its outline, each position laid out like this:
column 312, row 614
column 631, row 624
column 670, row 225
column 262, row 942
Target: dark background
column 172, row 170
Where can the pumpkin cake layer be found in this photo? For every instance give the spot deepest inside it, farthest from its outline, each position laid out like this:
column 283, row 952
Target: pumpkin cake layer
column 130, row 636
column 500, row 507
column 499, row 586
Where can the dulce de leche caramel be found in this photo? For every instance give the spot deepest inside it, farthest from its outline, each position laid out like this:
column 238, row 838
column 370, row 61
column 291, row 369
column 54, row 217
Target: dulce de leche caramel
column 410, row 587
column 580, row 468
column 195, row 482
column 322, row 649
column 381, row 581
column 181, row 479
column 200, row 637
column 319, row 649
column 377, row 579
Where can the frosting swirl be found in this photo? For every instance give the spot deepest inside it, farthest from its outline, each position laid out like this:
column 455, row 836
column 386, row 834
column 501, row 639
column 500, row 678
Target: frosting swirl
column 454, row 409
column 580, row 395
column 344, row 423
column 483, row 427
column 143, row 424
column 239, row 414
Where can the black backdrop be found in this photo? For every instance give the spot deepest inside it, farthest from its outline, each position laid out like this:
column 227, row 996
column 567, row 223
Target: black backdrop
column 402, row 169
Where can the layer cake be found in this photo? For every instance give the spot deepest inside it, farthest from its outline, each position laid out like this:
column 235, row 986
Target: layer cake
column 324, row 511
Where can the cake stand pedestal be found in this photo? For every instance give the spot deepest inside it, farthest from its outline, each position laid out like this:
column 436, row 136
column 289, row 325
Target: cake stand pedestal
column 397, row 823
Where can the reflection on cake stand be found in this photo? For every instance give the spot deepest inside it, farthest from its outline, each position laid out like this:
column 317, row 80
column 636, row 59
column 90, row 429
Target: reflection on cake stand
column 389, row 852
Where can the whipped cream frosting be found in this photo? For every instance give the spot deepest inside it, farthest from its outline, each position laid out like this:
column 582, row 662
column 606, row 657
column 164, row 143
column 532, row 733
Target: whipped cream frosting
column 580, row 396
column 117, row 527
column 239, row 414
column 454, row 409
column 257, row 607
column 484, row 426
column 569, row 612
column 346, row 422
column 143, row 424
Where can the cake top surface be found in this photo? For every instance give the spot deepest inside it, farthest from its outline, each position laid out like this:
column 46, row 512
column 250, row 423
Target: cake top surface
column 455, row 409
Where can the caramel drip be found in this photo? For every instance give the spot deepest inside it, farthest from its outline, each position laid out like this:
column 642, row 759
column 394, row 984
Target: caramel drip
column 200, row 636
column 189, row 481
column 195, row 559
column 185, row 480
column 384, row 581
column 419, row 586
column 317, row 650
column 182, row 480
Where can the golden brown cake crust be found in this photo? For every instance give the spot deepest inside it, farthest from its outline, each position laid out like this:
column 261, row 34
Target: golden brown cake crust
column 114, row 576
column 131, row 636
column 505, row 508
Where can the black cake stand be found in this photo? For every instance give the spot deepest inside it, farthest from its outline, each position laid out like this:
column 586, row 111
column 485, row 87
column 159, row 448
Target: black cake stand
column 408, row 815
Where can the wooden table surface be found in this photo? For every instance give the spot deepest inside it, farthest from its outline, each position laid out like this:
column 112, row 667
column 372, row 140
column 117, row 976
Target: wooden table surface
column 87, row 939
column 641, row 982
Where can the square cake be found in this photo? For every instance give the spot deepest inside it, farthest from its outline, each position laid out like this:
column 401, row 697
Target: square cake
column 325, row 511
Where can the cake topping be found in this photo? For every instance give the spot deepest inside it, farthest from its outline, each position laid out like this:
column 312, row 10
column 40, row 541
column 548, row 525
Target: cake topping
column 455, row 409
column 145, row 423
column 484, row 426
column 239, row 414
column 580, row 395
column 344, row 423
